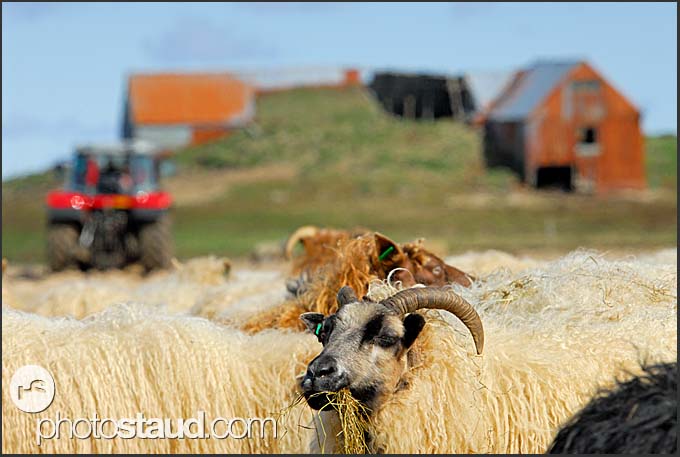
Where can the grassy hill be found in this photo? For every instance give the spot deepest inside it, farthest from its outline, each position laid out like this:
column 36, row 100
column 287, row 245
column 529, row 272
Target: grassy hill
column 332, row 157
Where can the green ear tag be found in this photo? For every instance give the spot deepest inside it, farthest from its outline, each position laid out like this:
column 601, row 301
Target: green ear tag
column 318, row 328
column 384, row 254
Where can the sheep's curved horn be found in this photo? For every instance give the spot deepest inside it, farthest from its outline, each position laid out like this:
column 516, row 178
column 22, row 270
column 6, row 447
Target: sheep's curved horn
column 409, row 300
column 302, row 232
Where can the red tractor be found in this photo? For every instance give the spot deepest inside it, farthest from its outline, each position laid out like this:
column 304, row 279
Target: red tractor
column 111, row 211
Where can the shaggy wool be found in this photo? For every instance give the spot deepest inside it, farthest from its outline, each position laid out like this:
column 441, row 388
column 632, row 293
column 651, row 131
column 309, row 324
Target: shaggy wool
column 555, row 334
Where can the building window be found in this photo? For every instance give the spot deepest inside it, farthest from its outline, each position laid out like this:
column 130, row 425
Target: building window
column 587, row 144
column 591, row 85
column 588, row 135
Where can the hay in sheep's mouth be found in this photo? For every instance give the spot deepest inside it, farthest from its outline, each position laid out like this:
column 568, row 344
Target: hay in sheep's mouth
column 354, row 421
column 353, row 416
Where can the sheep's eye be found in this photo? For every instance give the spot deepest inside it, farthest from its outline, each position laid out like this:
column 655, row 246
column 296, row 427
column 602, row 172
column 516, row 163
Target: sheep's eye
column 437, row 270
column 386, row 341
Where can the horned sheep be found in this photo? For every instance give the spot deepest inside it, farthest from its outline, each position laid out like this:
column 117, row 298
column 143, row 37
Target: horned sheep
column 427, row 390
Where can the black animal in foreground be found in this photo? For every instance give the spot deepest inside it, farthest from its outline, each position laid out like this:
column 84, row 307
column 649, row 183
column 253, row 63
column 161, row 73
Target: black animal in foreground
column 638, row 416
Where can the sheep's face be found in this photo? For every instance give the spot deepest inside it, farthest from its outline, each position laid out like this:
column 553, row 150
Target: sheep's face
column 409, row 264
column 364, row 347
column 416, row 265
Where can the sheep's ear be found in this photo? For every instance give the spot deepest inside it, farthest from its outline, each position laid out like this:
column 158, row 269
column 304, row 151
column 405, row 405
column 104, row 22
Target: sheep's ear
column 346, row 295
column 413, row 324
column 388, row 251
column 453, row 274
column 312, row 321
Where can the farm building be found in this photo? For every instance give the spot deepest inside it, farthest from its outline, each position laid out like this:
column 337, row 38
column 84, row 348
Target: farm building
column 422, row 96
column 485, row 86
column 174, row 110
column 431, row 96
column 562, row 123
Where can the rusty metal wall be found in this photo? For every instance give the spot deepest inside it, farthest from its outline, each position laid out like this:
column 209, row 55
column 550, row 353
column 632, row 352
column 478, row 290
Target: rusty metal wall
column 582, row 124
column 583, row 108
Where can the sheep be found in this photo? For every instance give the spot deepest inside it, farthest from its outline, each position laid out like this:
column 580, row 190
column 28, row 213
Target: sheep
column 550, row 340
column 267, row 251
column 354, row 260
column 638, row 416
column 580, row 314
column 80, row 294
column 319, row 245
column 366, row 346
column 486, row 262
column 322, row 245
column 208, row 286
column 133, row 358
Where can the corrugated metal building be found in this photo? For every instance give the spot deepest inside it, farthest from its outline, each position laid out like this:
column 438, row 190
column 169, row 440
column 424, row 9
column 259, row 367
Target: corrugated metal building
column 562, row 123
column 174, row 110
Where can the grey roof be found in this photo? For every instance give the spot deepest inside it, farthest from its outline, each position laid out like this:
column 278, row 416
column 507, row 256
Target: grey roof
column 486, row 86
column 533, row 87
column 118, row 148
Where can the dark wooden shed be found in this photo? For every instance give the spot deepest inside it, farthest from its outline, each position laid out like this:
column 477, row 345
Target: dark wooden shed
column 562, row 123
column 423, row 96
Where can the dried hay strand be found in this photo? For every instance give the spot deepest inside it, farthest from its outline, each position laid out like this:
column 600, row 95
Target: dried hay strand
column 354, row 422
column 354, row 425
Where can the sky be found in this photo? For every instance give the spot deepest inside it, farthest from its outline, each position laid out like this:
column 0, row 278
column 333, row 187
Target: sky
column 64, row 65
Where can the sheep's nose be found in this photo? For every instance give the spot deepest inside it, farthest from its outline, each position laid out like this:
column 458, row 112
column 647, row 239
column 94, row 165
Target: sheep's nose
column 324, row 374
column 307, row 382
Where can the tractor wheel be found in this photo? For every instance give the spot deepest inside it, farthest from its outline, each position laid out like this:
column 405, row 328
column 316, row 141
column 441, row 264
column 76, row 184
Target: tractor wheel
column 155, row 244
column 62, row 242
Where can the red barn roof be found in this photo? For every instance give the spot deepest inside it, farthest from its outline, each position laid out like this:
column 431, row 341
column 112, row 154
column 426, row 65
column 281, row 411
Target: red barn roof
column 194, row 99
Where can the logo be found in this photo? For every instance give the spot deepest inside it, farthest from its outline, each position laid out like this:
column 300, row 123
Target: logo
column 32, row 389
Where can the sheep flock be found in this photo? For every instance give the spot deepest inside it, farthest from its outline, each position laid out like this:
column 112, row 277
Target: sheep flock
column 559, row 332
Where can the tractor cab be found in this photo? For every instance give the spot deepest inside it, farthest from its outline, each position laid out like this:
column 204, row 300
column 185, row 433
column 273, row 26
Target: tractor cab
column 119, row 169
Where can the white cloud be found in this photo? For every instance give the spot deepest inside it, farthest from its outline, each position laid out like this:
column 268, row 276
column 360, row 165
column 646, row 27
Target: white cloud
column 193, row 39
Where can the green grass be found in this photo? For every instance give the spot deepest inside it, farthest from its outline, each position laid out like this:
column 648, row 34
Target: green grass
column 331, row 133
column 247, row 214
column 662, row 161
column 23, row 226
column 26, row 186
column 357, row 166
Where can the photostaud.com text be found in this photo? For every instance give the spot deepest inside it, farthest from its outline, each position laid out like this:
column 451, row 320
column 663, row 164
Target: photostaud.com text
column 198, row 427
